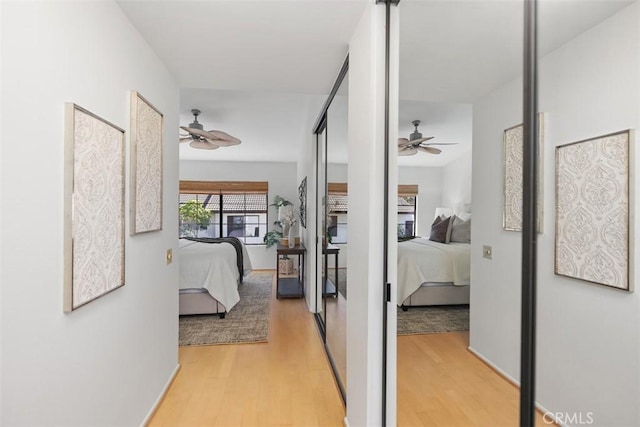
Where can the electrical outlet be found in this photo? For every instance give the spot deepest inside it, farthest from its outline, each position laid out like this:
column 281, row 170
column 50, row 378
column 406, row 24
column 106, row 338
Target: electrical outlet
column 487, row 252
column 169, row 256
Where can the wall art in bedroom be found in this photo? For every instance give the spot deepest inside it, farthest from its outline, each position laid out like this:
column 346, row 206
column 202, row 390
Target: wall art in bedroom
column 302, row 194
column 513, row 151
column 94, row 177
column 145, row 194
column 593, row 210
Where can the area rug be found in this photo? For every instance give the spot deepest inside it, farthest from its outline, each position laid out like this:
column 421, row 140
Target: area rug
column 433, row 320
column 248, row 321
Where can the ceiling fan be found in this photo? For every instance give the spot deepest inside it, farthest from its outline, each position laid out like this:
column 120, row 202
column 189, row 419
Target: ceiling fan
column 409, row 147
column 206, row 140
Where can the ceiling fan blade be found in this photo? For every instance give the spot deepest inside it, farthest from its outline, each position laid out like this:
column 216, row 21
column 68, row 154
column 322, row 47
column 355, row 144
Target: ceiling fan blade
column 441, row 143
column 430, row 150
column 203, row 145
column 223, row 136
column 421, row 140
column 403, row 142
column 186, row 138
column 408, row 151
column 198, row 132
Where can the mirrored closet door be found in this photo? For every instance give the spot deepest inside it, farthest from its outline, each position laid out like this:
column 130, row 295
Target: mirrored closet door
column 334, row 245
column 588, row 325
column 332, row 239
column 460, row 89
column 466, row 82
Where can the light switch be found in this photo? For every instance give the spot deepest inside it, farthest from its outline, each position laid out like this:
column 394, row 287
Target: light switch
column 169, row 256
column 487, row 252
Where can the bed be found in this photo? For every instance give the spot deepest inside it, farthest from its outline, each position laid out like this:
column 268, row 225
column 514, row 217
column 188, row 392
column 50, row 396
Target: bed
column 210, row 271
column 432, row 273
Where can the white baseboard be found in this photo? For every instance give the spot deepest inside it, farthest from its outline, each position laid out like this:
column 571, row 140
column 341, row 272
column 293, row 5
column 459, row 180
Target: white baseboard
column 346, row 422
column 512, row 381
column 158, row 401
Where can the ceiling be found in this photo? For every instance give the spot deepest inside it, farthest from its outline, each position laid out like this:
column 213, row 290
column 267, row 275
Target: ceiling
column 459, row 50
column 293, row 46
column 259, row 69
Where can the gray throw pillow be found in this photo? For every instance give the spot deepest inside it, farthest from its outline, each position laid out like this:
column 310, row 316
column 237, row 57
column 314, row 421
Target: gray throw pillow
column 461, row 231
column 439, row 230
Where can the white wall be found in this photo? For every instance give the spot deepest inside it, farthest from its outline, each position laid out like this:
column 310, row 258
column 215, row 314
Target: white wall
column 1, row 199
column 306, row 167
column 282, row 178
column 107, row 362
column 430, row 194
column 456, row 183
column 365, row 220
column 588, row 335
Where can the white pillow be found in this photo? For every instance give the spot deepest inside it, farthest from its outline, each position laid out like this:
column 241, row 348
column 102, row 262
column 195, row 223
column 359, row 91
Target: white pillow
column 460, row 231
column 465, row 216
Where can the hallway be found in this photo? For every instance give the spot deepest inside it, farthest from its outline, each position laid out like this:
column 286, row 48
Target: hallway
column 285, row 382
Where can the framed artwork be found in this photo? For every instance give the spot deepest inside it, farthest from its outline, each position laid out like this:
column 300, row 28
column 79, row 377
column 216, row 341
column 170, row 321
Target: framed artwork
column 594, row 236
column 513, row 141
column 145, row 205
column 302, row 194
column 94, row 177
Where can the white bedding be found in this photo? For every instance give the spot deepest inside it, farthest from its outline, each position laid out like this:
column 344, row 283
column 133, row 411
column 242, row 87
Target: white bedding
column 212, row 266
column 420, row 260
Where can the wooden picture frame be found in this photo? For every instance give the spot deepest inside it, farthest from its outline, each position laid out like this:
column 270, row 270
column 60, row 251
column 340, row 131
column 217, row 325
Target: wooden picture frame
column 145, row 193
column 594, row 210
column 94, row 200
column 513, row 143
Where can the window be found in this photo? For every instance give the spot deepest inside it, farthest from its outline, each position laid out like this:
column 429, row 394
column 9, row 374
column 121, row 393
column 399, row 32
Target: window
column 337, row 211
column 224, row 208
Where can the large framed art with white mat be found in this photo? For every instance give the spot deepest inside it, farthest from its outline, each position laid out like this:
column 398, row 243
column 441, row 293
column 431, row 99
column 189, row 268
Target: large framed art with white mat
column 146, row 166
column 94, row 191
column 513, row 151
column 594, row 227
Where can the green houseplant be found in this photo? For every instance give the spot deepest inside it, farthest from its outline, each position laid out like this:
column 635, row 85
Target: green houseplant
column 193, row 216
column 273, row 237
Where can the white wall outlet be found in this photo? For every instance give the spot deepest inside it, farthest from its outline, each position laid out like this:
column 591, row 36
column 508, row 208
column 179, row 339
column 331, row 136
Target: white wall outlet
column 169, row 256
column 487, row 252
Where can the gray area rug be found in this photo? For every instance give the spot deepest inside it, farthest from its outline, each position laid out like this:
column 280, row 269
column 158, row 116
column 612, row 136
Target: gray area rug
column 248, row 321
column 433, row 320
column 421, row 320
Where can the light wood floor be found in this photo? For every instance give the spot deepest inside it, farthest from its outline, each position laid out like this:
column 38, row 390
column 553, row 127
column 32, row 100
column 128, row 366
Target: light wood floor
column 285, row 382
column 288, row 381
column 440, row 383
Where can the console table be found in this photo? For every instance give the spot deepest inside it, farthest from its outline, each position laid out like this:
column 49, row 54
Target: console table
column 330, row 289
column 290, row 287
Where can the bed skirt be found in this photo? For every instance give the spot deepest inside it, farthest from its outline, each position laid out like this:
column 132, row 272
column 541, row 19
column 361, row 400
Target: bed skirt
column 199, row 301
column 438, row 294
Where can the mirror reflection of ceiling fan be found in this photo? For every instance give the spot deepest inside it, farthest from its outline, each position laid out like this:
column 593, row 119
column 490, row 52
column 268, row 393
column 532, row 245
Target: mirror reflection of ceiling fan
column 415, row 143
column 206, row 140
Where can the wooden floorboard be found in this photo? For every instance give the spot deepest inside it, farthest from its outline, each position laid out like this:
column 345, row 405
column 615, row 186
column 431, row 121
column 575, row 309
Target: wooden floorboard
column 288, row 381
column 285, row 382
column 441, row 383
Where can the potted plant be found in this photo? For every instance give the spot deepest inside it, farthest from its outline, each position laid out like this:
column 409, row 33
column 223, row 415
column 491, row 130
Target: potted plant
column 280, row 229
column 193, row 216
